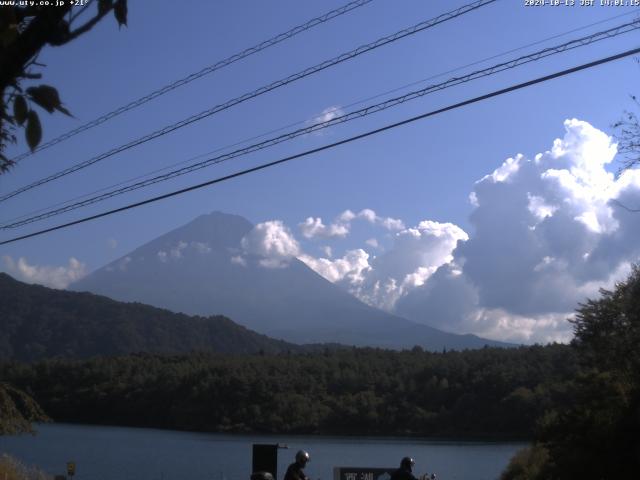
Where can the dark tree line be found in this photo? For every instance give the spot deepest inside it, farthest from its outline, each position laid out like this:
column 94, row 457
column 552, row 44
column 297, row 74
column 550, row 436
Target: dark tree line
column 38, row 322
column 488, row 392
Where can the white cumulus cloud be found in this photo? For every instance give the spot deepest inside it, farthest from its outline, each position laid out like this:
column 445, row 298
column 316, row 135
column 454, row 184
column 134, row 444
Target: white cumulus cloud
column 177, row 251
column 347, row 216
column 326, row 115
column 546, row 235
column 373, row 242
column 272, row 241
column 50, row 276
column 416, row 254
column 373, row 218
column 239, row 260
column 350, row 268
column 313, row 227
column 329, row 114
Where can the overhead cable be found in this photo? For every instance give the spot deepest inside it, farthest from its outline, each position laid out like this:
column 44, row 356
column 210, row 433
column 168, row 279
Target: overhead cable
column 201, row 73
column 369, row 133
column 260, row 91
column 315, row 120
column 363, row 112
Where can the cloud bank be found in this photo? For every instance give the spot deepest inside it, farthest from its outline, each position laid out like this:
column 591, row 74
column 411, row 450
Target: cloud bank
column 379, row 281
column 314, row 227
column 50, row 276
column 546, row 234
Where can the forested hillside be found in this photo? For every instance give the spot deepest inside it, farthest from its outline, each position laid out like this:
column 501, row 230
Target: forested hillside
column 487, row 392
column 38, row 322
column 596, row 433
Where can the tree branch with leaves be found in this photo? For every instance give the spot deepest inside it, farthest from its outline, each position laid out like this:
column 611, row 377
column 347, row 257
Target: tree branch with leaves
column 628, row 137
column 24, row 32
column 18, row 411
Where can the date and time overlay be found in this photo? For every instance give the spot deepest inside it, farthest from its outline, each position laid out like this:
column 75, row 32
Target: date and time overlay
column 581, row 3
column 526, row 3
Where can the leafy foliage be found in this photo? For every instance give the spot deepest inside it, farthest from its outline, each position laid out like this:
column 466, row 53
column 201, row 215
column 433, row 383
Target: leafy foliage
column 46, row 97
column 18, row 411
column 628, row 136
column 595, row 432
column 475, row 393
column 24, row 31
column 607, row 330
column 12, row 469
column 33, row 130
column 531, row 463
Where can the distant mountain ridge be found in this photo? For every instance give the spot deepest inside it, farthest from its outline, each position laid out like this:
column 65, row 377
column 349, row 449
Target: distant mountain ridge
column 38, row 322
column 196, row 269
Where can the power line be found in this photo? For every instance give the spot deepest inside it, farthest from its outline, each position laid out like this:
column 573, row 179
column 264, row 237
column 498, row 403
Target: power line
column 486, row 59
column 300, row 122
column 194, row 76
column 340, row 119
column 525, row 59
column 336, row 144
column 623, row 206
column 260, row 91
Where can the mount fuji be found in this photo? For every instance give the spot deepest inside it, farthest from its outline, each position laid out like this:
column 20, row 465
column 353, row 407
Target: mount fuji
column 195, row 269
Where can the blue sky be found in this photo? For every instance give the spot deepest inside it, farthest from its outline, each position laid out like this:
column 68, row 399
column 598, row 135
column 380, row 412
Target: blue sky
column 424, row 171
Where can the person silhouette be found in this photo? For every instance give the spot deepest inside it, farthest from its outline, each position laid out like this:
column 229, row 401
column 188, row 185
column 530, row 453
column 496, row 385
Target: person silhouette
column 295, row 470
column 405, row 470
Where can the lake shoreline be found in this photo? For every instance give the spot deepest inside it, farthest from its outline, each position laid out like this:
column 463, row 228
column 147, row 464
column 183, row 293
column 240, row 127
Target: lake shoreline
column 108, row 452
column 473, row 438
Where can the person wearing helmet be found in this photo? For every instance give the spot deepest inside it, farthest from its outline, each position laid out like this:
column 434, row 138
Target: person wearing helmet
column 405, row 470
column 295, row 470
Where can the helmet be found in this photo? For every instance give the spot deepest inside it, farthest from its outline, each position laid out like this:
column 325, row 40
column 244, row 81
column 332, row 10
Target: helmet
column 261, row 476
column 302, row 457
column 407, row 463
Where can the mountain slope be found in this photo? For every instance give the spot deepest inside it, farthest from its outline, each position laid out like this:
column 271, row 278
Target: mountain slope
column 38, row 322
column 196, row 269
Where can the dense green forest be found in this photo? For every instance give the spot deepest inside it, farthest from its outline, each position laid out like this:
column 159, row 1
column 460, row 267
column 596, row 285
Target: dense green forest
column 487, row 392
column 38, row 322
column 596, row 434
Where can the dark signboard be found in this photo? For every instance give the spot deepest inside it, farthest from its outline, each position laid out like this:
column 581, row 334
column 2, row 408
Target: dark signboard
column 362, row 473
column 265, row 458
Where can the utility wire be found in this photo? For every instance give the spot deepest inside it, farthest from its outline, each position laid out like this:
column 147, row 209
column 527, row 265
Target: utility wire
column 623, row 206
column 315, row 119
column 194, row 76
column 486, row 59
column 371, row 109
column 272, row 86
column 263, row 166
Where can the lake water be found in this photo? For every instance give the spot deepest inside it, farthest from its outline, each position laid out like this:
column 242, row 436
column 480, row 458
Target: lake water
column 121, row 453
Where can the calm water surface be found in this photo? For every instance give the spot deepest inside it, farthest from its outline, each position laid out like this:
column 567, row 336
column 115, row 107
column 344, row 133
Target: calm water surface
column 121, row 453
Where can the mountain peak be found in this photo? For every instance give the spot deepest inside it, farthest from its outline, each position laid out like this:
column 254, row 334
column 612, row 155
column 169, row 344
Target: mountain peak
column 215, row 228
column 194, row 269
